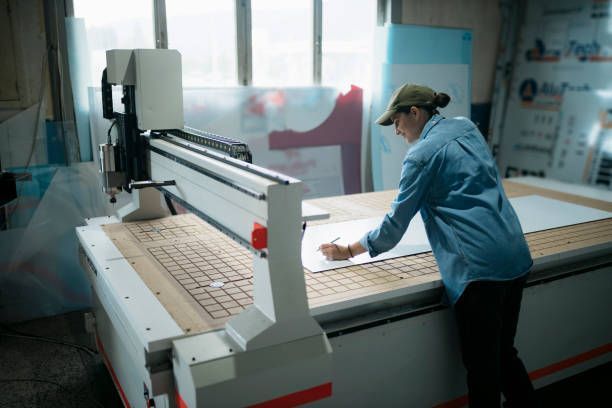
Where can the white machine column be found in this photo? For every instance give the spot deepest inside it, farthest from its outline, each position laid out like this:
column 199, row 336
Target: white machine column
column 280, row 310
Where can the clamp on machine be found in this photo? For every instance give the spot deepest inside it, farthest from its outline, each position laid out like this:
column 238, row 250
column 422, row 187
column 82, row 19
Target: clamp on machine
column 274, row 347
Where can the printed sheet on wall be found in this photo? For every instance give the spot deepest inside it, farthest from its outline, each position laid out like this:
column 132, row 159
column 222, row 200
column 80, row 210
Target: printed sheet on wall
column 558, row 122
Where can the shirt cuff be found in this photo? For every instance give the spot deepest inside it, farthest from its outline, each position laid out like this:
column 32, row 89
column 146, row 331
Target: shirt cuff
column 365, row 242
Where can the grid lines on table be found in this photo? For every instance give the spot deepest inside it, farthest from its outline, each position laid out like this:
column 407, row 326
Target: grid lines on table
column 554, row 240
column 210, row 256
column 161, row 229
column 195, row 265
column 343, row 280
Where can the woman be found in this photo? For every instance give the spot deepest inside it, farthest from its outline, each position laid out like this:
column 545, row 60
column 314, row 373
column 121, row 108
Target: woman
column 449, row 176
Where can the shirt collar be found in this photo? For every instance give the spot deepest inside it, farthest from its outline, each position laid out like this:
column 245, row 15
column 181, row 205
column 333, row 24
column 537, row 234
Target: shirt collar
column 433, row 121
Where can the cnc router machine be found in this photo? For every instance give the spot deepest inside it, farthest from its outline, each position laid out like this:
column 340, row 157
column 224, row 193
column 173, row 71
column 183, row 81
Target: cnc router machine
column 214, row 307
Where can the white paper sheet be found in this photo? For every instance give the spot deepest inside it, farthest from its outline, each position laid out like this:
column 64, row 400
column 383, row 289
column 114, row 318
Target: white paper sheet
column 414, row 241
column 535, row 213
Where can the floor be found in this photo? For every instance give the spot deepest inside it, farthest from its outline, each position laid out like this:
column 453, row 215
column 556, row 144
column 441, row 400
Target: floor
column 50, row 363
column 38, row 373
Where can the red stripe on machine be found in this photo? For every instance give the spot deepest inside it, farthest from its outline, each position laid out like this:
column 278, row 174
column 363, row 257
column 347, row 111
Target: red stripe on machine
column 180, row 403
column 462, row 401
column 124, row 399
column 298, row 398
column 562, row 365
column 542, row 372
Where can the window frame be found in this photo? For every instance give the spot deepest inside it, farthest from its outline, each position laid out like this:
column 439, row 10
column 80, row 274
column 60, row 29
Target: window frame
column 387, row 11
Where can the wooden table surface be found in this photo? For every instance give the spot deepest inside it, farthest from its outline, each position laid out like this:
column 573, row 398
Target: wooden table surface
column 179, row 257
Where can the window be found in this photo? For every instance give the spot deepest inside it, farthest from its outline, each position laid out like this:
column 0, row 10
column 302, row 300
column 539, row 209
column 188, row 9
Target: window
column 276, row 44
column 114, row 24
column 347, row 42
column 204, row 32
column 282, row 42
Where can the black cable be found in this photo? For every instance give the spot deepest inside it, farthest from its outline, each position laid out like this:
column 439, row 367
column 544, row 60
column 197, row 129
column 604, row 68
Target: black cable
column 21, row 335
column 30, row 380
column 89, row 377
column 37, row 380
column 170, row 205
column 50, row 340
column 78, row 348
column 86, row 368
column 108, row 134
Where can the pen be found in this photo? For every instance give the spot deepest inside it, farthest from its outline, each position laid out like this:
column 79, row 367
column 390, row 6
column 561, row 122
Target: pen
column 332, row 241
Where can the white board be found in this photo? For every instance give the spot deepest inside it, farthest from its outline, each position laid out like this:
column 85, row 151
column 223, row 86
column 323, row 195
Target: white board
column 452, row 79
column 535, row 213
column 312, row 212
column 414, row 241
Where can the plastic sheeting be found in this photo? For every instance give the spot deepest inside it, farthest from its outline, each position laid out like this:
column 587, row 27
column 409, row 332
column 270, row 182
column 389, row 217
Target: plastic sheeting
column 318, row 120
column 78, row 58
column 40, row 274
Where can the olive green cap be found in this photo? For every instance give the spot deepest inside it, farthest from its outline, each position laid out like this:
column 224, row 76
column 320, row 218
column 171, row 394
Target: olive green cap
column 406, row 96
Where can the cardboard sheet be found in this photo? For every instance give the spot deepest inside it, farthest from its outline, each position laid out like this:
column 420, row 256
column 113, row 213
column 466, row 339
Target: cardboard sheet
column 535, row 213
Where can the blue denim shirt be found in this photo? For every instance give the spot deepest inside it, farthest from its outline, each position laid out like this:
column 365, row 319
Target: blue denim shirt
column 450, row 177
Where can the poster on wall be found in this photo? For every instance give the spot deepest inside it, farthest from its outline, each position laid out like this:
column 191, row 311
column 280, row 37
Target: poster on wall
column 583, row 153
column 555, row 122
column 437, row 57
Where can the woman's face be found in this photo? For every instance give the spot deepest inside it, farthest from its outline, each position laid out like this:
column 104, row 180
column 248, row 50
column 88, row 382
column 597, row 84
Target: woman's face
column 410, row 124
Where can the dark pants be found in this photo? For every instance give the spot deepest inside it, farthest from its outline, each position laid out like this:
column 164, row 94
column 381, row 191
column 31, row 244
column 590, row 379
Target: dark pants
column 487, row 314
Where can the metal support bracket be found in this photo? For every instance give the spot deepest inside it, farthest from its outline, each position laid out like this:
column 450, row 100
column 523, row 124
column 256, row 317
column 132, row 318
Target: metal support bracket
column 146, row 204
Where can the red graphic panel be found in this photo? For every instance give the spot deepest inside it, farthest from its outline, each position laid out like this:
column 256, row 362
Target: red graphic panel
column 342, row 127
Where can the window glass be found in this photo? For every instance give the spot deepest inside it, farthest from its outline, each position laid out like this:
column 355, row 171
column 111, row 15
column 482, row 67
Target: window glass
column 204, row 32
column 348, row 38
column 115, row 24
column 282, row 42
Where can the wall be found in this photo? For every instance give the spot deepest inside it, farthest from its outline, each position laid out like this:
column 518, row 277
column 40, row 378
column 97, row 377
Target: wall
column 22, row 45
column 23, row 53
column 481, row 16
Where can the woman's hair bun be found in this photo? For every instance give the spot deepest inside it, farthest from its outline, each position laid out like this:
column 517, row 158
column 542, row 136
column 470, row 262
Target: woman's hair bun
column 441, row 100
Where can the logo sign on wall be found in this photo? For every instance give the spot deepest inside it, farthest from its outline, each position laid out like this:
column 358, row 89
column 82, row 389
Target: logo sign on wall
column 553, row 125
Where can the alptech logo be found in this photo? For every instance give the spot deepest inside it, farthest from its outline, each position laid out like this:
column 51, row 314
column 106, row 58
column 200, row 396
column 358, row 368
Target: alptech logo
column 582, row 51
column 528, row 90
column 539, row 52
column 546, row 95
column 589, row 51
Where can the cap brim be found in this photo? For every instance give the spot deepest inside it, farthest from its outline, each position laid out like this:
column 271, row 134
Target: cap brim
column 385, row 118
